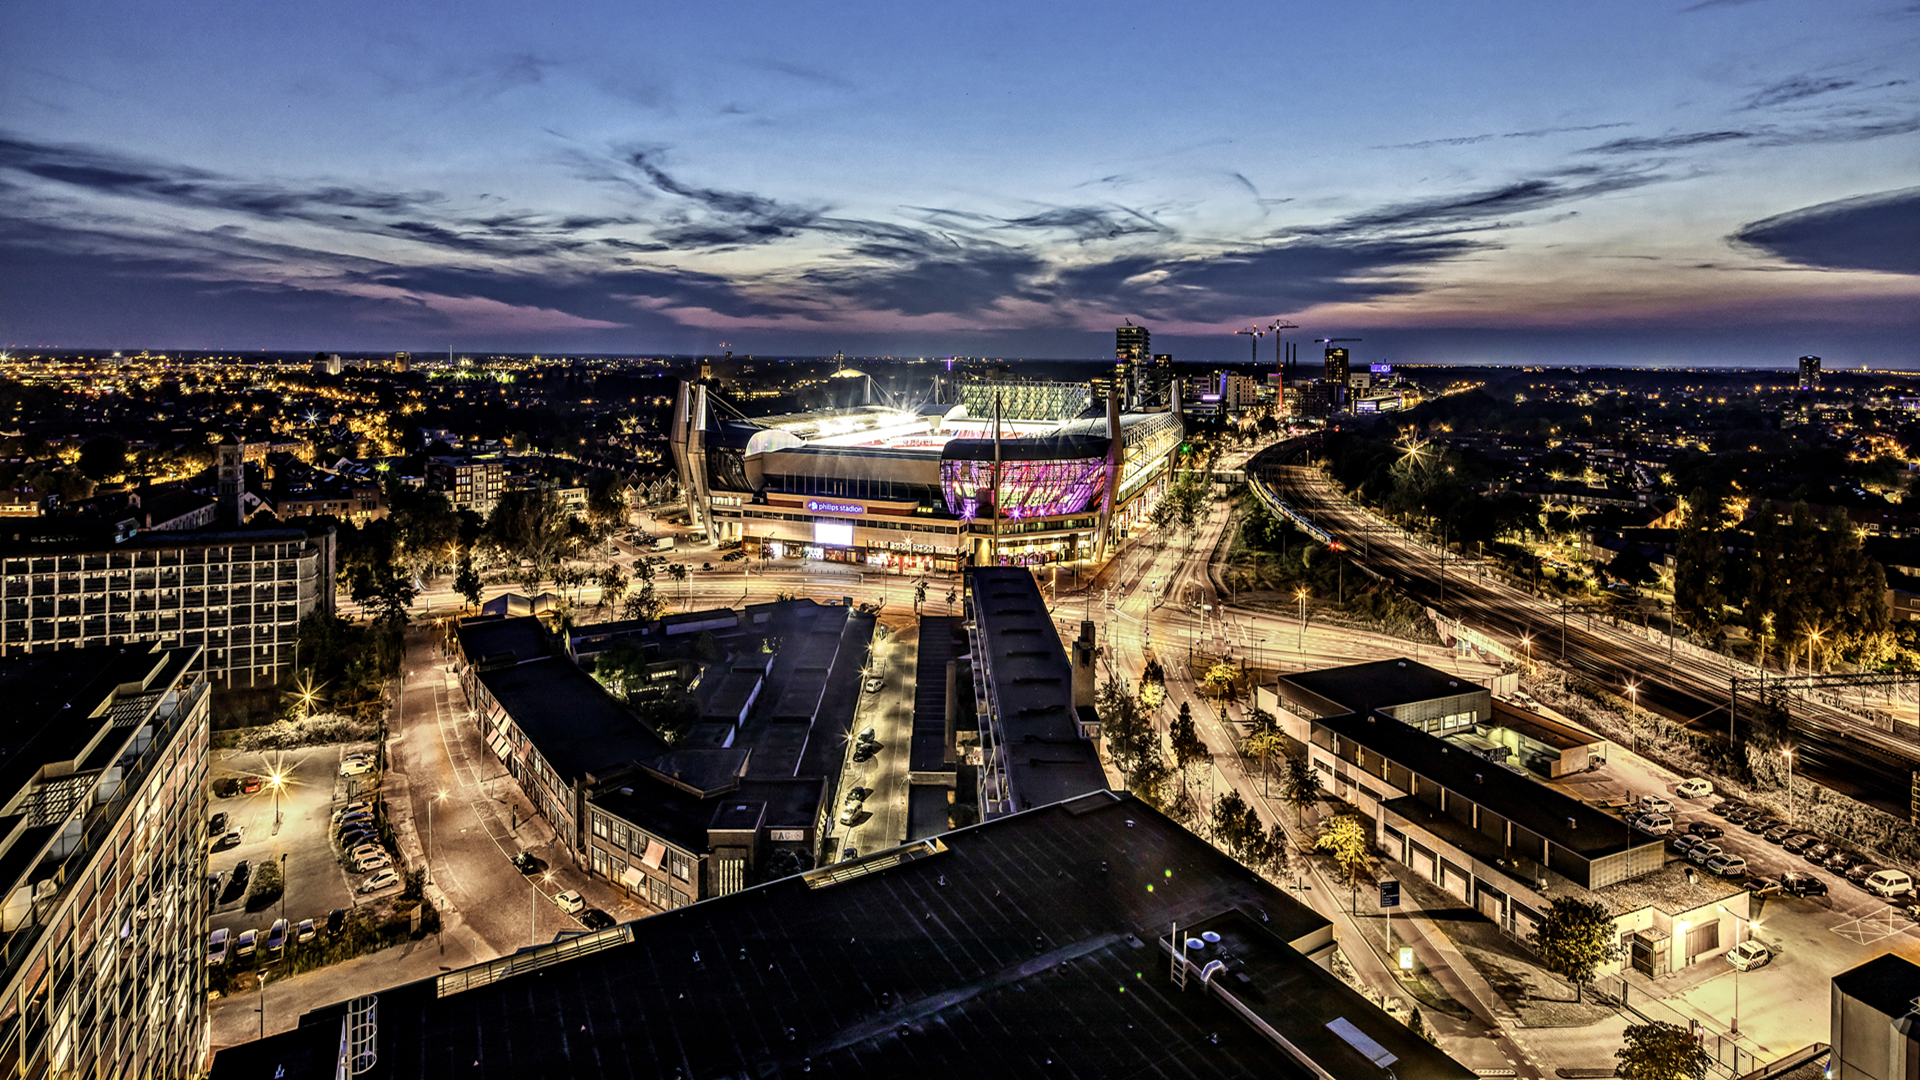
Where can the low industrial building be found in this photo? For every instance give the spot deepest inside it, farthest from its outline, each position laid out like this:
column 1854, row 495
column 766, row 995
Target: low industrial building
column 1036, row 945
column 1873, row 1031
column 103, row 947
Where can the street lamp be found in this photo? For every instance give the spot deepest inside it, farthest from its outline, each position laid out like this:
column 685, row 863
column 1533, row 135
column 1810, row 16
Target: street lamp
column 1812, row 636
column 1526, row 643
column 430, row 805
column 1633, row 699
column 1751, row 925
column 1300, row 646
column 1788, row 755
column 275, row 779
column 533, row 910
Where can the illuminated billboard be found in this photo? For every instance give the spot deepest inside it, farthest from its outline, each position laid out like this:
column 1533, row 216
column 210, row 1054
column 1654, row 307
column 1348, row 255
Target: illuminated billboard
column 837, row 533
column 1028, row 489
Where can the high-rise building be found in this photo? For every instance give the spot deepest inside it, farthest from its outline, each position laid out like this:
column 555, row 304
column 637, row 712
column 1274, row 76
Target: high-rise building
column 401, row 362
column 469, row 483
column 1131, row 343
column 1338, row 372
column 105, row 918
column 1809, row 373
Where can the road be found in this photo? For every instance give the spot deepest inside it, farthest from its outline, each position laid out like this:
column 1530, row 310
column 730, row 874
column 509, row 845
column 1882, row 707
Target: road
column 1836, row 748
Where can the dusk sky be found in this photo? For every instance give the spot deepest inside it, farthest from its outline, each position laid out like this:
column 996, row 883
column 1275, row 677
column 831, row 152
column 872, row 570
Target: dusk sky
column 1621, row 181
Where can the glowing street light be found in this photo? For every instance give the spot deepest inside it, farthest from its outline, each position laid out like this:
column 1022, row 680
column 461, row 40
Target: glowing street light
column 1301, row 645
column 276, row 779
column 430, row 805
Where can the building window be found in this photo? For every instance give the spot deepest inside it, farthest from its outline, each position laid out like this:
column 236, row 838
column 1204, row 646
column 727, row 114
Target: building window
column 599, row 826
column 680, row 866
column 599, row 862
column 619, row 835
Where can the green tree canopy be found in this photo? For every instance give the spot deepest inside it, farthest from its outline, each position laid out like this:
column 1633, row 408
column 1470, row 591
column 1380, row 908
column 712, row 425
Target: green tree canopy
column 1660, row 1051
column 1574, row 938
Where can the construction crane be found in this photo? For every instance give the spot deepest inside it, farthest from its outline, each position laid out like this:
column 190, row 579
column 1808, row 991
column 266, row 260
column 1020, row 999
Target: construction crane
column 1280, row 365
column 1254, row 334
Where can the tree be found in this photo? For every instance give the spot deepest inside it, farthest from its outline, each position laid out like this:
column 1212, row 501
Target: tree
column 466, row 580
column 606, row 503
column 678, row 572
column 102, row 457
column 1574, row 938
column 1123, row 723
column 1660, row 1051
column 613, row 587
column 1185, row 737
column 1345, row 838
column 384, row 591
column 530, row 525
column 1302, row 786
column 1222, row 679
column 1263, row 746
column 645, row 605
column 1236, row 825
column 919, row 596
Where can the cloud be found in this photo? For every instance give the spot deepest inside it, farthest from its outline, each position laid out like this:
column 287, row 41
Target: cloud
column 1470, row 140
column 1664, row 143
column 1798, row 88
column 1703, row 5
column 1480, row 209
column 1878, row 232
column 726, row 218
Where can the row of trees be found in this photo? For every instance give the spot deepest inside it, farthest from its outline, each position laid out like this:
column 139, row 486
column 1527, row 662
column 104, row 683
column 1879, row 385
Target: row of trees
column 1801, row 584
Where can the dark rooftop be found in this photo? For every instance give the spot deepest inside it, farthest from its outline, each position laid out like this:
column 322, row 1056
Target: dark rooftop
column 1543, row 729
column 1380, row 684
column 576, row 725
column 501, row 639
column 1023, row 947
column 54, row 701
column 1031, row 681
column 1888, row 983
column 1541, row 808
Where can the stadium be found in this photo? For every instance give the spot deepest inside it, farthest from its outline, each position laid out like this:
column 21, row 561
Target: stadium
column 1003, row 474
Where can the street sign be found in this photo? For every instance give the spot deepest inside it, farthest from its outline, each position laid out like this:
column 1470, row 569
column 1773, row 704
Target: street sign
column 1389, row 894
column 1406, row 958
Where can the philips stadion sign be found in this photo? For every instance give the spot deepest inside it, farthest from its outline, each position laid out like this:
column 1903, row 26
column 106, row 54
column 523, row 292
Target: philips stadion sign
column 819, row 506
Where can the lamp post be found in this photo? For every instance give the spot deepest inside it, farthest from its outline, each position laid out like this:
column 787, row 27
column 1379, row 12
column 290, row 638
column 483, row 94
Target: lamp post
column 1300, row 646
column 1633, row 725
column 1812, row 636
column 275, row 779
column 1751, row 925
column 430, row 805
column 1526, row 643
column 1788, row 755
column 533, row 908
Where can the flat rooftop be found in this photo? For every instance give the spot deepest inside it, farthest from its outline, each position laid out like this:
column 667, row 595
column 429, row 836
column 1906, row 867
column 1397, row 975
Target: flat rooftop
column 53, row 698
column 1022, row 947
column 1542, row 729
column 577, row 727
column 1380, row 684
column 1031, row 681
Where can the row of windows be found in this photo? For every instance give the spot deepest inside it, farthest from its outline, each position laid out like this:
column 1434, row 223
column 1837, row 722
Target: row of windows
column 629, row 838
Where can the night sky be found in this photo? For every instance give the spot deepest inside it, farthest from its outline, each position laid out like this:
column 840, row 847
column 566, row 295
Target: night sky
column 1725, row 181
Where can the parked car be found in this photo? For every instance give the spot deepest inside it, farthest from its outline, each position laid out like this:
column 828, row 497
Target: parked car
column 1799, row 843
column 214, row 881
column 217, row 824
column 1744, row 814
column 874, row 684
column 851, row 814
column 368, row 863
column 336, row 921
column 245, row 945
column 1758, row 824
column 1702, row 851
column 217, row 947
column 1728, row 865
column 226, row 787
column 1819, row 853
column 1682, row 843
column 358, row 817
column 352, row 807
column 1706, row 829
column 353, row 838
column 1842, row 861
column 866, row 735
column 1749, row 955
column 524, row 862
column 1694, row 788
column 1726, row 807
column 858, row 795
column 366, row 850
column 1761, row 886
column 1655, row 804
column 595, row 919
column 1888, row 882
column 1801, row 883
column 385, row 879
column 570, row 902
column 1655, row 824
column 277, row 935
column 355, row 768
column 251, row 785
column 231, row 839
column 305, row 932
column 865, row 752
column 850, row 854
column 1778, row 834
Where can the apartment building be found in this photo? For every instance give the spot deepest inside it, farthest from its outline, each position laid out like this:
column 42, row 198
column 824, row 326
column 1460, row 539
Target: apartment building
column 103, row 926
column 238, row 594
column 469, row 483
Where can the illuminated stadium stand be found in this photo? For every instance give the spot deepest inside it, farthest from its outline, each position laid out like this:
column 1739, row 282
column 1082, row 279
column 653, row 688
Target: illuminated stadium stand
column 913, row 491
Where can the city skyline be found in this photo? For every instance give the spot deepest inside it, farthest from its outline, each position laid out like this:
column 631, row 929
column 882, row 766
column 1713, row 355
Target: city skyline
column 1724, row 182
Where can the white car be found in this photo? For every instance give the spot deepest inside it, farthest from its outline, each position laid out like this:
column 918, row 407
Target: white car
column 217, row 947
column 355, row 768
column 570, row 902
column 379, row 861
column 1695, row 788
column 385, row 879
column 1728, row 865
column 1749, row 955
column 1654, row 804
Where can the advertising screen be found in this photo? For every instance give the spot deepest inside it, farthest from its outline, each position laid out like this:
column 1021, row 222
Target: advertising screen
column 839, row 533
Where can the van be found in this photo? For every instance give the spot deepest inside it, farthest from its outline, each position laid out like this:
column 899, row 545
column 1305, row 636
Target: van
column 1889, row 882
column 1655, row 823
column 1694, row 788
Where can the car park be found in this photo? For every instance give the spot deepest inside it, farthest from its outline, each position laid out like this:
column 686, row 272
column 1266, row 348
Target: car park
column 1778, row 834
column 1727, row 865
column 1749, row 955
column 570, row 902
column 1706, row 829
column 277, row 935
column 245, row 945
column 1801, row 883
column 1799, row 843
column 1702, row 851
column 305, row 931
column 217, row 824
column 1694, row 788
column 595, row 919
column 217, row 947
column 385, row 879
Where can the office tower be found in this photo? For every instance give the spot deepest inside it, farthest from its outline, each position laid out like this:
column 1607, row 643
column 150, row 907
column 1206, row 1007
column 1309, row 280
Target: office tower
column 1132, row 344
column 1337, row 375
column 401, row 362
column 1809, row 373
column 104, row 970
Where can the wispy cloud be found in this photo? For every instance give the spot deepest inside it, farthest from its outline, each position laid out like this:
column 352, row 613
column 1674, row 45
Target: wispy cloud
column 1704, row 5
column 1798, row 88
column 1471, row 140
column 1880, row 231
